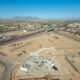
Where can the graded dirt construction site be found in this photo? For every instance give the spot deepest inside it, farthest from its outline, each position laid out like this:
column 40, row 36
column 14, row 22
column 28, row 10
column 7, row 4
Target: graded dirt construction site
column 20, row 51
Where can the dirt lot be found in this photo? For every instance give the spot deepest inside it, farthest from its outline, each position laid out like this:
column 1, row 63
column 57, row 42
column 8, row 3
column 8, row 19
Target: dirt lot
column 68, row 68
column 19, row 49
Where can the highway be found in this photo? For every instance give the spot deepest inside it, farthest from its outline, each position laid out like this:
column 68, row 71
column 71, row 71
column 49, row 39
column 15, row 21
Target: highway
column 21, row 37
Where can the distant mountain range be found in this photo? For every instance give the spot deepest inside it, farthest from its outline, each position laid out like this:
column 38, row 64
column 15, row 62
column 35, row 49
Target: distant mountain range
column 37, row 19
column 28, row 18
column 1, row 18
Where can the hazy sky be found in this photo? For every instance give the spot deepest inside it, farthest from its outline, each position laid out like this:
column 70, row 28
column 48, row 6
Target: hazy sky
column 40, row 8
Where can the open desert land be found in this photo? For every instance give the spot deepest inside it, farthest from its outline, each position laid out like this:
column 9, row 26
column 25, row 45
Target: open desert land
column 21, row 50
column 17, row 50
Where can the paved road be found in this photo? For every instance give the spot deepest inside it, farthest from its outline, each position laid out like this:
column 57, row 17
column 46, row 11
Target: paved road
column 22, row 37
column 9, row 66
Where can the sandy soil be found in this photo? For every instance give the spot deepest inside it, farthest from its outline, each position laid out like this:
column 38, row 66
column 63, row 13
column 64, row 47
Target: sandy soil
column 68, row 46
column 18, row 50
